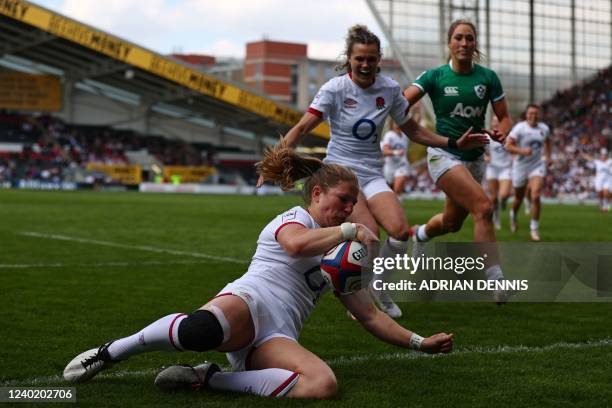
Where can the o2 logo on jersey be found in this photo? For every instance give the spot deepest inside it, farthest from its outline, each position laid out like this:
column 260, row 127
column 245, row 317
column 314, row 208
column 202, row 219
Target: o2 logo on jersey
column 315, row 282
column 364, row 128
column 500, row 149
column 535, row 145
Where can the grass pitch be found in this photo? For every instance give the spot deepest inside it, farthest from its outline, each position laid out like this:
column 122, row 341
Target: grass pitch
column 79, row 269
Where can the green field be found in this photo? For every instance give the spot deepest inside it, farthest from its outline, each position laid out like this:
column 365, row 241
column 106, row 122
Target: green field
column 79, row 269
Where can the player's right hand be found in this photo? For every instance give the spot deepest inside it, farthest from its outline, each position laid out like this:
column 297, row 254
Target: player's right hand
column 470, row 140
column 260, row 182
column 365, row 236
column 527, row 151
column 438, row 343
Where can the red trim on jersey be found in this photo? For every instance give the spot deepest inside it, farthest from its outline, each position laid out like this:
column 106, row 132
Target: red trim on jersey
column 170, row 331
column 224, row 294
column 315, row 112
column 283, row 385
column 284, row 225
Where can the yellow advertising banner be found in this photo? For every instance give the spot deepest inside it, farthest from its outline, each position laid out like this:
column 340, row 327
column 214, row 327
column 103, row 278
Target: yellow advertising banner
column 123, row 173
column 27, row 92
column 151, row 62
column 188, row 174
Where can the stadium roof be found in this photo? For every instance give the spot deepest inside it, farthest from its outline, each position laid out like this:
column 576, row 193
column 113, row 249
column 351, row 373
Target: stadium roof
column 82, row 53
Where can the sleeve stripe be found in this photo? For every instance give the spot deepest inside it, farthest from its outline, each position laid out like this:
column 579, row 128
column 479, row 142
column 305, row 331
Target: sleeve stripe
column 419, row 86
column 315, row 112
column 499, row 98
column 284, row 225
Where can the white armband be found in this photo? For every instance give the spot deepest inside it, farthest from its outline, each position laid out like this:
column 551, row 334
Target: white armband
column 415, row 341
column 349, row 230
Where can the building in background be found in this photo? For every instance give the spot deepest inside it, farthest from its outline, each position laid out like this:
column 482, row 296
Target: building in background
column 284, row 72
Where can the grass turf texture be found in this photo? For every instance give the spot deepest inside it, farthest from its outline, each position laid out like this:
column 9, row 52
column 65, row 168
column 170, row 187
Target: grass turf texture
column 84, row 294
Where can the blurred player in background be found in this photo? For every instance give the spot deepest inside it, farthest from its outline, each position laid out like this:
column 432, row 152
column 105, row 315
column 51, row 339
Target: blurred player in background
column 603, row 179
column 394, row 146
column 498, row 175
column 528, row 140
column 460, row 92
column 257, row 318
column 356, row 104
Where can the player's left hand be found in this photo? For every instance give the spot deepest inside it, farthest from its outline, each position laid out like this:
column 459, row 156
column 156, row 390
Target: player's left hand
column 496, row 134
column 438, row 343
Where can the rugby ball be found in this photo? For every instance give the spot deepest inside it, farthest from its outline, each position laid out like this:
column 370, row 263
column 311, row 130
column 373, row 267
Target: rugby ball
column 342, row 265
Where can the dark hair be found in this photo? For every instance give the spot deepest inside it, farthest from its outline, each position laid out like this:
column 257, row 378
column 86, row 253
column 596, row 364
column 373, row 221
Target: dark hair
column 533, row 105
column 479, row 55
column 283, row 166
column 357, row 34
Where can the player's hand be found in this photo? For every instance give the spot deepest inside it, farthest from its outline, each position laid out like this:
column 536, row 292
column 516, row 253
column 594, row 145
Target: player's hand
column 260, row 182
column 527, row 151
column 398, row 152
column 438, row 343
column 365, row 236
column 496, row 134
column 471, row 140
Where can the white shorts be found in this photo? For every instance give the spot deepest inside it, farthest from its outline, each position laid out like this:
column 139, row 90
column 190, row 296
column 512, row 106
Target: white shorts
column 499, row 173
column 269, row 319
column 393, row 172
column 521, row 174
column 371, row 181
column 602, row 183
column 440, row 161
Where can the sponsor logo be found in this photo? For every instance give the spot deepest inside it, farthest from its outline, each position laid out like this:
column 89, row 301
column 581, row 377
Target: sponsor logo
column 350, row 103
column 480, row 90
column 467, row 111
column 141, row 339
column 380, row 103
column 290, row 215
column 451, row 91
column 362, row 253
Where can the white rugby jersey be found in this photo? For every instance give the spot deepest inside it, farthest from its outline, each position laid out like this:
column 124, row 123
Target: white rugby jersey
column 527, row 136
column 296, row 282
column 395, row 141
column 357, row 116
column 603, row 168
column 500, row 157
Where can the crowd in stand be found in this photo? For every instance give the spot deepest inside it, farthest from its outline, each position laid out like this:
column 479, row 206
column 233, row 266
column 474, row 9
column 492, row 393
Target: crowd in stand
column 580, row 119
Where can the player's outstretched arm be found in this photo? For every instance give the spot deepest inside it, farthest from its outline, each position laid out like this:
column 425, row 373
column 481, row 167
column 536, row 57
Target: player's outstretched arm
column 299, row 241
column 388, row 330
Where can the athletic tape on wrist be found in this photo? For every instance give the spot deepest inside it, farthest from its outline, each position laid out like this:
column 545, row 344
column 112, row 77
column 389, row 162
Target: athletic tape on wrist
column 415, row 341
column 349, row 230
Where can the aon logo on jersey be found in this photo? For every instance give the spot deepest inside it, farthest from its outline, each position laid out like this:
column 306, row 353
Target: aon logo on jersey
column 467, row 111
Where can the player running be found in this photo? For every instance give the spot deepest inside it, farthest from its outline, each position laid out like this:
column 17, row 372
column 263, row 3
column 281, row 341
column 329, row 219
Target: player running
column 460, row 92
column 257, row 318
column 603, row 179
column 396, row 168
column 527, row 140
column 498, row 175
column 356, row 105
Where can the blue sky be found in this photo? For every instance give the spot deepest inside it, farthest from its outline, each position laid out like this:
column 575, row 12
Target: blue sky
column 222, row 27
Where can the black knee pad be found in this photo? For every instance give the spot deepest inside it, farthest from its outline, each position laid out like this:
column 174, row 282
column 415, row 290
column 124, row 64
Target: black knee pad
column 200, row 331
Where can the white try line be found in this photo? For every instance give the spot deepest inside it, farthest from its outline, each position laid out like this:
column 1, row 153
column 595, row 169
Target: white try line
column 347, row 360
column 98, row 264
column 134, row 247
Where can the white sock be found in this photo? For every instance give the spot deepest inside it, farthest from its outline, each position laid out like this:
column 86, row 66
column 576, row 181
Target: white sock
column 271, row 382
column 533, row 225
column 161, row 335
column 390, row 249
column 421, row 234
column 494, row 273
column 512, row 215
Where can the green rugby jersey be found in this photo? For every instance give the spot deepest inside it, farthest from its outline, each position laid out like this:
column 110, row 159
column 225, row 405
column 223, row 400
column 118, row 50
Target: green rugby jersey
column 460, row 101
